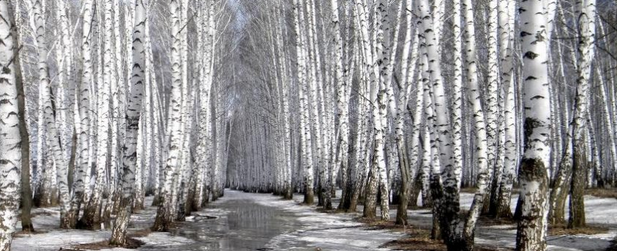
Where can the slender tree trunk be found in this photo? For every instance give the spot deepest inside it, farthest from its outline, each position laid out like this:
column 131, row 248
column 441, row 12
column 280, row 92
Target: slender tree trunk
column 164, row 215
column 506, row 19
column 118, row 234
column 586, row 12
column 53, row 134
column 304, row 127
column 84, row 135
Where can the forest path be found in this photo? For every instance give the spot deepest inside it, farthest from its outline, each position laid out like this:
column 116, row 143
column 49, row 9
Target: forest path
column 247, row 221
column 237, row 221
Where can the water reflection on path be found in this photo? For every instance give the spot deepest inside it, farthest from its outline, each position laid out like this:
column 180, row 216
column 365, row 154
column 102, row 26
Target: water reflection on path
column 235, row 223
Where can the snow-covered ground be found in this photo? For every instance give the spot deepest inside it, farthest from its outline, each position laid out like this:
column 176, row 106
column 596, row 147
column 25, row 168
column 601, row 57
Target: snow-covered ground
column 326, row 231
column 49, row 237
column 598, row 211
column 276, row 224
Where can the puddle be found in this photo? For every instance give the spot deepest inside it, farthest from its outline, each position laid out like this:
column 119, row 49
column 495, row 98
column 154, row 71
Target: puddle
column 233, row 225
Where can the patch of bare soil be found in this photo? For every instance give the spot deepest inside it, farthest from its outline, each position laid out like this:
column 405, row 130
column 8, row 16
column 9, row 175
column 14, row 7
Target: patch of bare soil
column 490, row 221
column 327, row 211
column 418, row 239
column 132, row 243
column 468, row 190
column 41, row 213
column 588, row 230
column 141, row 233
column 28, row 233
column 602, row 192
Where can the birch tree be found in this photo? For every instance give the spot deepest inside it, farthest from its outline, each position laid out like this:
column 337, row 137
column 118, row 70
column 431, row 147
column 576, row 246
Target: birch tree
column 10, row 138
column 164, row 214
column 92, row 212
column 506, row 22
column 54, row 137
column 533, row 173
column 82, row 170
column 586, row 12
column 26, row 188
column 133, row 112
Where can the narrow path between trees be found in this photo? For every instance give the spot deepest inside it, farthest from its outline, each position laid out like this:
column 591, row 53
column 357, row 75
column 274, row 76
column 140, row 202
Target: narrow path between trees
column 237, row 221
column 248, row 221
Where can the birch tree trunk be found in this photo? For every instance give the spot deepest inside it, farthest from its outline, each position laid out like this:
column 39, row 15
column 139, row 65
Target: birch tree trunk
column 405, row 163
column 10, row 131
column 164, row 214
column 304, row 127
column 53, row 135
column 447, row 193
column 342, row 101
column 286, row 116
column 84, row 135
column 92, row 214
column 369, row 81
column 81, row 173
column 533, row 173
column 118, row 234
column 586, row 12
column 26, row 188
column 492, row 99
column 475, row 94
column 506, row 19
column 65, row 129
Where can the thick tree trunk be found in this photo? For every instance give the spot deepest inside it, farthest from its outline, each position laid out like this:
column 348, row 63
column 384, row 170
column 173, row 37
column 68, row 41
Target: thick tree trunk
column 10, row 130
column 26, row 189
column 533, row 173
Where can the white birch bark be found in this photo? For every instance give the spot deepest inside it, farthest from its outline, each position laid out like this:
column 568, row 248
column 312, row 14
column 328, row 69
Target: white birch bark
column 492, row 94
column 533, row 174
column 10, row 138
column 586, row 12
column 608, row 120
column 82, row 170
column 133, row 111
column 314, row 92
column 457, row 94
column 506, row 34
column 380, row 111
column 369, row 80
column 342, row 100
column 407, row 165
column 53, row 135
column 287, row 183
column 64, row 69
column 111, row 64
column 483, row 176
column 305, row 133
column 92, row 212
column 450, row 192
column 164, row 216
